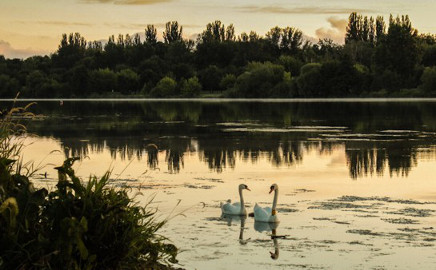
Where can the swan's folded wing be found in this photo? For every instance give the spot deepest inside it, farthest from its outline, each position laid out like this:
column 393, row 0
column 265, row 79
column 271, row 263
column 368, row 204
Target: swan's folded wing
column 229, row 208
column 237, row 204
column 260, row 213
column 268, row 210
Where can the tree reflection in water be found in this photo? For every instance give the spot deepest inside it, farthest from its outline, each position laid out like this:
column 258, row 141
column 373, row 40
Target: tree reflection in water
column 376, row 136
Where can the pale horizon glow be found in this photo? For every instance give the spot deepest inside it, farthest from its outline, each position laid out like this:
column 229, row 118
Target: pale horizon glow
column 35, row 27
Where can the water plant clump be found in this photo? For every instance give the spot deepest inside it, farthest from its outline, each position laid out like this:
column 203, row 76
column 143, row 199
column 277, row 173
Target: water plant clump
column 78, row 225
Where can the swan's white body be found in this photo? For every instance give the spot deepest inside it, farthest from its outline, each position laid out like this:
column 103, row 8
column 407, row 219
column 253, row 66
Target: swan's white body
column 237, row 208
column 267, row 214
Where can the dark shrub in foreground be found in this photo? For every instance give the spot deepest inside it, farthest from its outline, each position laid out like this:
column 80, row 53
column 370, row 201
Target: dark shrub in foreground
column 77, row 225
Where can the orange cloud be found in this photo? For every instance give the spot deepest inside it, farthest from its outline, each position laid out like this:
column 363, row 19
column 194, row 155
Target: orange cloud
column 55, row 23
column 9, row 52
column 336, row 32
column 126, row 2
column 301, row 10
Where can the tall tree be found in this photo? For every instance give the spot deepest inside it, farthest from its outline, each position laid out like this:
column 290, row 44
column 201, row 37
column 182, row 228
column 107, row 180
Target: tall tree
column 150, row 34
column 352, row 28
column 253, row 36
column 274, row 36
column 173, row 32
column 291, row 40
column 71, row 50
column 365, row 29
column 136, row 39
column 214, row 32
column 398, row 50
column 380, row 28
column 230, row 33
column 372, row 33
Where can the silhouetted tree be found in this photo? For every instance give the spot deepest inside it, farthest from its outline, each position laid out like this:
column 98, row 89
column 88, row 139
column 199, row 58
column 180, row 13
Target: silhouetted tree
column 151, row 34
column 173, row 32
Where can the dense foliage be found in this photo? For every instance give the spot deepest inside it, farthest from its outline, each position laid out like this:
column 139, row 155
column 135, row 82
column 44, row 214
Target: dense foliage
column 377, row 59
column 77, row 225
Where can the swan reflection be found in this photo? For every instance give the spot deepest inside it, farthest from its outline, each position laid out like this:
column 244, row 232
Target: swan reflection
column 234, row 218
column 270, row 227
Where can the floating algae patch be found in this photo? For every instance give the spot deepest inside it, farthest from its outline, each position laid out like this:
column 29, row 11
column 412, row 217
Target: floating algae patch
column 329, row 241
column 370, row 205
column 287, row 210
column 342, row 222
column 407, row 229
column 322, row 218
column 348, row 198
column 413, row 212
column 300, row 190
column 214, row 219
column 365, row 232
column 215, row 180
column 400, row 220
column 426, row 234
column 359, row 243
column 193, row 186
column 332, row 220
column 303, row 190
column 368, row 216
column 335, row 205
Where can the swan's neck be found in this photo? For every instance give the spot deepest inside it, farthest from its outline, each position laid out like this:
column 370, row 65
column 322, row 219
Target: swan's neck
column 275, row 255
column 241, row 233
column 242, row 200
column 276, row 248
column 274, row 205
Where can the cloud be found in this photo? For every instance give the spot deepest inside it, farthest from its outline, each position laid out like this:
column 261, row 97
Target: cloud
column 310, row 39
column 160, row 26
column 301, row 10
column 9, row 52
column 126, row 2
column 62, row 23
column 55, row 23
column 336, row 32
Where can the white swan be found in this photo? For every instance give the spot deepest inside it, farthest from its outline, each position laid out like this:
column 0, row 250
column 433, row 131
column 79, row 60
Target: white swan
column 268, row 214
column 237, row 208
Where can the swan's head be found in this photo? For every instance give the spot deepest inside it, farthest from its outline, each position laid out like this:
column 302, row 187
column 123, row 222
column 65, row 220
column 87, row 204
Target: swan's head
column 274, row 256
column 273, row 188
column 243, row 186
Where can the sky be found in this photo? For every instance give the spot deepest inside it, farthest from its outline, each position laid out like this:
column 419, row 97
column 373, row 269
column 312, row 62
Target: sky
column 35, row 27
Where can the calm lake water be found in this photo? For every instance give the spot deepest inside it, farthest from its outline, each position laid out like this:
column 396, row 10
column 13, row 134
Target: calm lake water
column 357, row 186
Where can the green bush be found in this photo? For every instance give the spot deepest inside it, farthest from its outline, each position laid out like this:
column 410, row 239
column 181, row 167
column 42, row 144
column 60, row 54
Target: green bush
column 77, row 225
column 191, row 87
column 103, row 81
column 166, row 87
column 291, row 64
column 309, row 80
column 228, row 81
column 428, row 80
column 128, row 81
column 258, row 79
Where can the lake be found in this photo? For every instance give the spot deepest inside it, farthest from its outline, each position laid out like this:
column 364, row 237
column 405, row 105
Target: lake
column 357, row 186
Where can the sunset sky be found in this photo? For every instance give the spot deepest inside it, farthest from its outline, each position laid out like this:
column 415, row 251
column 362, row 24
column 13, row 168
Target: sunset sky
column 29, row 27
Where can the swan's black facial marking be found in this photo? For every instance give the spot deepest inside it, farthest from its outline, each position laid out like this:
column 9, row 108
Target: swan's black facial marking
column 271, row 189
column 246, row 187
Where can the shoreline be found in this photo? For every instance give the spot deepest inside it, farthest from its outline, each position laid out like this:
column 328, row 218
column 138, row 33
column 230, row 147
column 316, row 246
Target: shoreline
column 259, row 100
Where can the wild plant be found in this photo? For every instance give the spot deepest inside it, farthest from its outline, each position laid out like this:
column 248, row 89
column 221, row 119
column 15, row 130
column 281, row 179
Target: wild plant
column 78, row 225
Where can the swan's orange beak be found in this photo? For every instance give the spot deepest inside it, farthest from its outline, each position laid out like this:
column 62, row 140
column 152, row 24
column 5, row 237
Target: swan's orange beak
column 271, row 190
column 248, row 189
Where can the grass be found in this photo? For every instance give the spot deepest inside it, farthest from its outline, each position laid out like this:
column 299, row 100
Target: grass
column 78, row 225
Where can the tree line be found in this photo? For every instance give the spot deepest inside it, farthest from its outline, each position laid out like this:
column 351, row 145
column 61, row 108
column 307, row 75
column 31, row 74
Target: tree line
column 377, row 59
